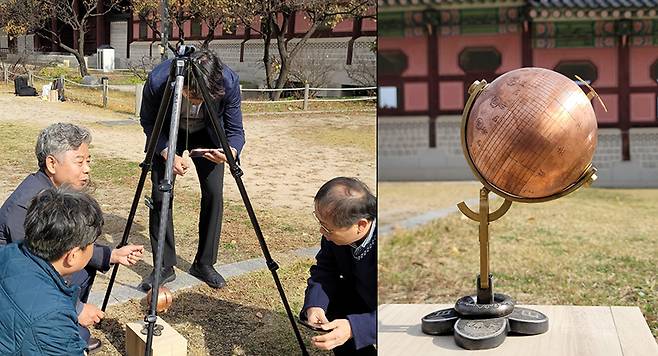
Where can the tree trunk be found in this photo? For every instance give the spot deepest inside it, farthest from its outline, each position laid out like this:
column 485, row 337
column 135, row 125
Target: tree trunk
column 284, row 56
column 287, row 57
column 209, row 37
column 267, row 59
column 282, row 79
column 80, row 54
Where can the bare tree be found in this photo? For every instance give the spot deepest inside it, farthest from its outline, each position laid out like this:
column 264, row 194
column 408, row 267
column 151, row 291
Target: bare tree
column 22, row 17
column 271, row 19
column 150, row 11
column 213, row 13
column 314, row 69
column 19, row 17
column 143, row 67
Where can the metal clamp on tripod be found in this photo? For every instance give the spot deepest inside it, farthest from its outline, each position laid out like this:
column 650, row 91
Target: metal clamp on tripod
column 175, row 82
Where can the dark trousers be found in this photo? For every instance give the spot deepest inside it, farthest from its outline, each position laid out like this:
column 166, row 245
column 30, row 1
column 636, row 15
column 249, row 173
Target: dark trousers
column 211, row 180
column 84, row 279
column 344, row 303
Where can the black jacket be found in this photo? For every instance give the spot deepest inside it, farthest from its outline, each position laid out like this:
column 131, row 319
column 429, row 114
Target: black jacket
column 337, row 272
column 14, row 210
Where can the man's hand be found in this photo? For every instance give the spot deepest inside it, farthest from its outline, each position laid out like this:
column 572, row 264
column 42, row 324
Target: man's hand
column 341, row 331
column 90, row 315
column 180, row 165
column 217, row 156
column 315, row 316
column 127, row 255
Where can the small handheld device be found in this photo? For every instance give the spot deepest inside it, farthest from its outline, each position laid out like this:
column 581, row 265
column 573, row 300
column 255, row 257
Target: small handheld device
column 199, row 152
column 311, row 326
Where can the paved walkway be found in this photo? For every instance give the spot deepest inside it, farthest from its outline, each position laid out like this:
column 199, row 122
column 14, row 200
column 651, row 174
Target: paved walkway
column 123, row 292
column 423, row 219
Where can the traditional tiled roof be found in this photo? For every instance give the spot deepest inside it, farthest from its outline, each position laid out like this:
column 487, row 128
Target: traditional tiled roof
column 594, row 4
column 447, row 3
column 576, row 4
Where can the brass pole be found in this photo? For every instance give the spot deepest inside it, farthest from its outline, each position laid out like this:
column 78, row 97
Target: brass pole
column 484, row 238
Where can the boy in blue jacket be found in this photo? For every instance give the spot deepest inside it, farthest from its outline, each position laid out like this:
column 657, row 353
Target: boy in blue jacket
column 37, row 307
column 341, row 296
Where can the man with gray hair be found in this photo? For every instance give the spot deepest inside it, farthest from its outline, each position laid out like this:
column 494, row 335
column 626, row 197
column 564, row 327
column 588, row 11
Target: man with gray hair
column 341, row 295
column 60, row 230
column 62, row 152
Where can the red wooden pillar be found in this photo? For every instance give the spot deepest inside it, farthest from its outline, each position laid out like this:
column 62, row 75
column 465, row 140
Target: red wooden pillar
column 624, row 106
column 526, row 44
column 100, row 25
column 433, row 83
column 129, row 38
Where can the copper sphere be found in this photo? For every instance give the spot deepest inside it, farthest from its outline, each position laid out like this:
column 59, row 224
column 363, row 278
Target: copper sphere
column 165, row 298
column 530, row 134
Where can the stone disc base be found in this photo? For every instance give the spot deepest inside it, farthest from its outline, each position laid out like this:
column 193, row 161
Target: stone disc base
column 485, row 333
column 480, row 334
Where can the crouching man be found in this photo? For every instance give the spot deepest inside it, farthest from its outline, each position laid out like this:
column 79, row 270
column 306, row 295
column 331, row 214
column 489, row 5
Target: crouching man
column 62, row 153
column 341, row 296
column 37, row 306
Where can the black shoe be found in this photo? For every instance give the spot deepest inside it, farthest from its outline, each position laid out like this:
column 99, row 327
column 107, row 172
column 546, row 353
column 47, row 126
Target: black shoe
column 167, row 275
column 94, row 345
column 208, row 274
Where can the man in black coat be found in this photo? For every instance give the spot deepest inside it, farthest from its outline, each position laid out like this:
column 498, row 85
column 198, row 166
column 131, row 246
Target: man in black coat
column 196, row 134
column 341, row 296
column 62, row 152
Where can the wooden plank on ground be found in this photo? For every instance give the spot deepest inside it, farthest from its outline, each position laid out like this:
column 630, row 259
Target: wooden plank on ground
column 634, row 334
column 573, row 331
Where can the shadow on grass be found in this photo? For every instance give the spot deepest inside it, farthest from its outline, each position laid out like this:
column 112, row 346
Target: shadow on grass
column 231, row 328
column 115, row 226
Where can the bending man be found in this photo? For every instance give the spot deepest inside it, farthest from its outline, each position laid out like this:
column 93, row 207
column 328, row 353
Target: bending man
column 196, row 135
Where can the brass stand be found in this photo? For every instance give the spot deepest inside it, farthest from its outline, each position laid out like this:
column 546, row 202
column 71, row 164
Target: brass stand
column 485, row 289
column 483, row 321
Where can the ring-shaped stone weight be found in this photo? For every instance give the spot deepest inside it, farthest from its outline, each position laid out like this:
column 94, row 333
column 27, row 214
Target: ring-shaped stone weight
column 467, row 306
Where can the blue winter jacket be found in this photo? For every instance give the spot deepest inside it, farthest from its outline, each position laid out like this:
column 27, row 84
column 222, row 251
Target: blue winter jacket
column 37, row 308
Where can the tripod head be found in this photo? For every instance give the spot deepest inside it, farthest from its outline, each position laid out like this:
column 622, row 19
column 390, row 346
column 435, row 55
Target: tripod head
column 184, row 51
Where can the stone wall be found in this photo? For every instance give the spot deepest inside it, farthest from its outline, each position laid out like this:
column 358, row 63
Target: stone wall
column 404, row 153
column 333, row 52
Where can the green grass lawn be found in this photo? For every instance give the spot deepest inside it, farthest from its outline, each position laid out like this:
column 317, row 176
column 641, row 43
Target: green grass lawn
column 594, row 247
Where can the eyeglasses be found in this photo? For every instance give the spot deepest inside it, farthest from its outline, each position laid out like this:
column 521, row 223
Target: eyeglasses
column 327, row 231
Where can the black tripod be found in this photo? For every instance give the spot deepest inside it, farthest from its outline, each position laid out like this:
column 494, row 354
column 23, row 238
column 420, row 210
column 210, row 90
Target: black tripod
column 176, row 78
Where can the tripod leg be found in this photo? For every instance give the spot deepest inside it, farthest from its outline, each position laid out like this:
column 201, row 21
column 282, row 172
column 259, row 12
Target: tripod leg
column 237, row 173
column 146, row 166
column 166, row 187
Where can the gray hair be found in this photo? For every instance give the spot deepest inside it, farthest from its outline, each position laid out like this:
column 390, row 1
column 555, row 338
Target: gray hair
column 59, row 138
column 345, row 201
column 59, row 219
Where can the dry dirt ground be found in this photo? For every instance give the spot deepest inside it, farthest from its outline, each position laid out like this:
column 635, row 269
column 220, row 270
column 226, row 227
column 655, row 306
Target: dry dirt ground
column 282, row 168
